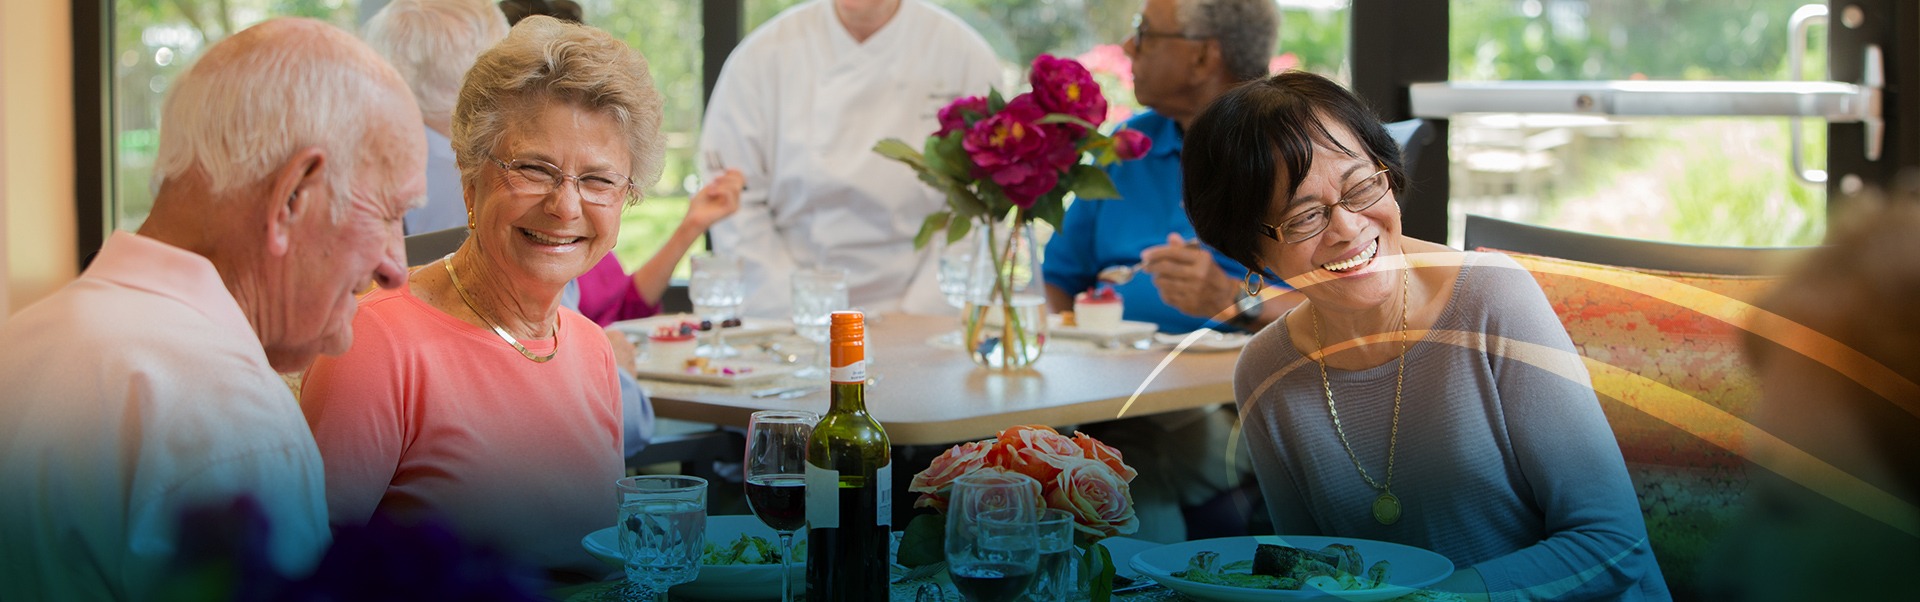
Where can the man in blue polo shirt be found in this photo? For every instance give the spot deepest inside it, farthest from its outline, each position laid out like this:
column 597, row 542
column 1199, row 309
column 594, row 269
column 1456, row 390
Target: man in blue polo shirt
column 1185, row 53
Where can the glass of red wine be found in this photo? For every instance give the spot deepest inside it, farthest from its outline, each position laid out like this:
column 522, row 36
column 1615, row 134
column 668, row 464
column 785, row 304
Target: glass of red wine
column 776, row 467
column 993, row 535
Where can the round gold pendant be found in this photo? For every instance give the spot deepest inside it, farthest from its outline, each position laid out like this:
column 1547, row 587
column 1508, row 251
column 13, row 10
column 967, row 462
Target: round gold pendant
column 1386, row 508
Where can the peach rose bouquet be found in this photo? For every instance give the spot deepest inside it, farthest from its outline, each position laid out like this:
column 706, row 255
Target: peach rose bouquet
column 1078, row 474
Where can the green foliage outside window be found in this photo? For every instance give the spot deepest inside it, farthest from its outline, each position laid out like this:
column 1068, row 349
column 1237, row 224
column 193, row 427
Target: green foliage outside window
column 1717, row 198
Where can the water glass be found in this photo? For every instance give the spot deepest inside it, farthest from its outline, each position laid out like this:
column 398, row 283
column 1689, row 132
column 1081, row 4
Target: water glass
column 956, row 266
column 817, row 293
column 992, row 545
column 776, row 475
column 717, row 290
column 663, row 531
column 1058, row 576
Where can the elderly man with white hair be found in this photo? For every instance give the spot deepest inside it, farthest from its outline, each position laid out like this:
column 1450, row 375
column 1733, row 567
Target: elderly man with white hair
column 432, row 43
column 289, row 153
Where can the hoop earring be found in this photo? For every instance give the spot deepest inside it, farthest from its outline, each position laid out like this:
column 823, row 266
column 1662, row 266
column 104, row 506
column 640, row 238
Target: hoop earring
column 470, row 219
column 1254, row 284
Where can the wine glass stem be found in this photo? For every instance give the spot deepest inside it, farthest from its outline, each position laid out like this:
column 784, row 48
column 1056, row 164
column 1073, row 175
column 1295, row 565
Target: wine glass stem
column 786, row 566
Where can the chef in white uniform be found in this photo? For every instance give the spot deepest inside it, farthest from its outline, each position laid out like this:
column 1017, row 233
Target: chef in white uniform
column 798, row 108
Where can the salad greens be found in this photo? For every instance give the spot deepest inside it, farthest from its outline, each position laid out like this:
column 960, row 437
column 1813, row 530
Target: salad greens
column 747, row 550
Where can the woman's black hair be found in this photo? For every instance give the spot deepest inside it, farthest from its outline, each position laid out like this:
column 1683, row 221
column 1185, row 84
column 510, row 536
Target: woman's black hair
column 1244, row 140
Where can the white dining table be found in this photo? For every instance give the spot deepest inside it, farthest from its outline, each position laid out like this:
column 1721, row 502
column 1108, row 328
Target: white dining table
column 925, row 393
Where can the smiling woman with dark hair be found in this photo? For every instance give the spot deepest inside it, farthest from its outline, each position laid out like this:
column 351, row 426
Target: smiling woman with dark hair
column 1420, row 395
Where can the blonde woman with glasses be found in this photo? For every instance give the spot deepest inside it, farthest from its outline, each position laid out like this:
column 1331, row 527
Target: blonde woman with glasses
column 473, row 394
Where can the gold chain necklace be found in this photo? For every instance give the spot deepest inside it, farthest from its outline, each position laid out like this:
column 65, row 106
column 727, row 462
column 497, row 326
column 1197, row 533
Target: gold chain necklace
column 448, row 262
column 1386, row 508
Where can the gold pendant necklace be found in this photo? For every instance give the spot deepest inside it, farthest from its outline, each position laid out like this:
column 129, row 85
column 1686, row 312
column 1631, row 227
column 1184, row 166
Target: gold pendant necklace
column 448, row 262
column 1386, row 507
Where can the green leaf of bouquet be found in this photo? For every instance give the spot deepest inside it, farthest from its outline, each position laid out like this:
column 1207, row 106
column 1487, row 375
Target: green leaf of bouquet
column 994, row 200
column 1052, row 209
column 1103, row 150
column 1098, row 565
column 995, row 101
column 951, row 152
column 932, row 224
column 1065, row 118
column 1091, row 182
column 924, row 542
column 935, row 179
column 963, row 202
column 893, row 148
column 958, row 229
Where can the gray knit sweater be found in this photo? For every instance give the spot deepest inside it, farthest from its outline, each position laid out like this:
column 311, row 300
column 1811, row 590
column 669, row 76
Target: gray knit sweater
column 1505, row 461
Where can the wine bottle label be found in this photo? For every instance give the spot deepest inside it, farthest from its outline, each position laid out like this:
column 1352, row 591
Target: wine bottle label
column 823, row 498
column 885, row 505
column 855, row 372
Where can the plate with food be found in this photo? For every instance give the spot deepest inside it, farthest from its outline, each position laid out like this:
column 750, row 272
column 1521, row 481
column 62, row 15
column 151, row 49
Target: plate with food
column 736, row 329
column 704, row 371
column 1205, row 339
column 1069, row 325
column 741, row 562
column 1292, row 567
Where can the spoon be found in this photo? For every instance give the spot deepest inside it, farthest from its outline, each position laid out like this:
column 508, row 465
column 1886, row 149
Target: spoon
column 1122, row 274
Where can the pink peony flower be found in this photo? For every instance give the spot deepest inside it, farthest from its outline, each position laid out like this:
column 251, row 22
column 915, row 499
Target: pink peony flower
column 1018, row 154
column 1099, row 499
column 954, row 115
column 1064, row 86
column 1131, row 144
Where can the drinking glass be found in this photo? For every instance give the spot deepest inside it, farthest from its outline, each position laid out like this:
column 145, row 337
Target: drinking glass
column 717, row 291
column 956, row 265
column 663, row 531
column 993, row 543
column 817, row 293
column 1058, row 575
column 776, row 466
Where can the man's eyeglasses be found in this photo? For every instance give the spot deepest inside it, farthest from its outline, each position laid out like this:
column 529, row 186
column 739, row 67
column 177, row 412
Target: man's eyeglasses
column 1310, row 223
column 1140, row 33
column 536, row 177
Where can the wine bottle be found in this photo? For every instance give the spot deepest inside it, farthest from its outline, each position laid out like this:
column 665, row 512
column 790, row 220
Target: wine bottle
column 849, row 480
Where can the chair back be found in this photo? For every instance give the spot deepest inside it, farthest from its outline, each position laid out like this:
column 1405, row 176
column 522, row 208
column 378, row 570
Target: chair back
column 426, row 247
column 1493, row 233
column 1659, row 327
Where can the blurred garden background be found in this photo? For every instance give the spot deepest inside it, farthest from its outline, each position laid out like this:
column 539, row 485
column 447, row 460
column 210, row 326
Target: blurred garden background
column 1704, row 181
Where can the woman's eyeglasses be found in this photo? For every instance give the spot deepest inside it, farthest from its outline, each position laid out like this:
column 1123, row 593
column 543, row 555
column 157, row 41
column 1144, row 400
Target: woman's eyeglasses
column 536, row 177
column 1310, row 223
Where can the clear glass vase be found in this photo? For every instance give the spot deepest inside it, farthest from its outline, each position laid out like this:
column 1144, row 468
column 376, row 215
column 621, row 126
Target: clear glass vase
column 1004, row 323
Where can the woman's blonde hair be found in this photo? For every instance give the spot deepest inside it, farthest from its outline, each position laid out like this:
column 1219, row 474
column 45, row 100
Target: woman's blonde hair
column 546, row 60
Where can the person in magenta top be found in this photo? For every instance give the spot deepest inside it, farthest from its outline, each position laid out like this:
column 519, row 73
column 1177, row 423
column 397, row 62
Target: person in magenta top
column 608, row 294
column 473, row 394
